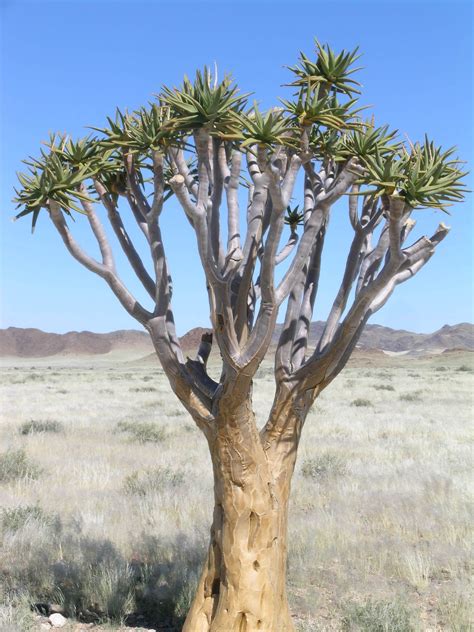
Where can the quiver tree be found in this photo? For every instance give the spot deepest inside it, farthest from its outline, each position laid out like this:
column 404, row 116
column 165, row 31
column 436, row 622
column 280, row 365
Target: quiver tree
column 257, row 188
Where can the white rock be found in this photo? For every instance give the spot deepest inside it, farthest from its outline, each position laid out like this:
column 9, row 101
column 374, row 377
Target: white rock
column 57, row 620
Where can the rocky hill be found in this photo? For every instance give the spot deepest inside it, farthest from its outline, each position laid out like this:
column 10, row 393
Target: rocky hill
column 459, row 336
column 34, row 343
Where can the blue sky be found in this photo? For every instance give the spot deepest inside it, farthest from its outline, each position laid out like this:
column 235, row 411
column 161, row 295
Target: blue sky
column 68, row 64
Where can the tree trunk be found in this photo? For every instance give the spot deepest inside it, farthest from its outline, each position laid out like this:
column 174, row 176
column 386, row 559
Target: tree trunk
column 243, row 584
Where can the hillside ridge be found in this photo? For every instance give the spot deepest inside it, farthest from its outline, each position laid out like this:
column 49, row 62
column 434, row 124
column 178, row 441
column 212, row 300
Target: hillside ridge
column 31, row 342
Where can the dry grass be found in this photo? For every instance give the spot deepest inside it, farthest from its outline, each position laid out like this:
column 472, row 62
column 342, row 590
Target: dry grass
column 113, row 510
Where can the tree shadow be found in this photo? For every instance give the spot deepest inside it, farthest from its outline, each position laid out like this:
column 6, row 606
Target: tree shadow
column 94, row 582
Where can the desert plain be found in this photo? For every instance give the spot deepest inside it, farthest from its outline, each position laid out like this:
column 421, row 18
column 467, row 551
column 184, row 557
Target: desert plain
column 106, row 495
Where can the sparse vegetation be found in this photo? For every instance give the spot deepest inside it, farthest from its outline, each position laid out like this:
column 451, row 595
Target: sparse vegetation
column 324, row 466
column 465, row 368
column 414, row 396
column 132, row 531
column 152, row 481
column 142, row 431
column 15, row 465
column 455, row 613
column 384, row 387
column 17, row 517
column 361, row 402
column 378, row 616
column 34, row 426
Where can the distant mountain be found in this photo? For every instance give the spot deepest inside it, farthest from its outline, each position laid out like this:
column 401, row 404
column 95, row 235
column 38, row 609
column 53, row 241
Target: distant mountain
column 459, row 336
column 34, row 343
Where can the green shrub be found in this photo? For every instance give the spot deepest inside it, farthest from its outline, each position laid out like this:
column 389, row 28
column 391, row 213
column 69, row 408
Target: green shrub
column 455, row 613
column 465, row 368
column 360, row 402
column 17, row 517
column 14, row 465
column 441, row 368
column 33, row 426
column 324, row 466
column 415, row 396
column 378, row 616
column 310, row 626
column 384, row 387
column 143, row 389
column 142, row 431
column 110, row 588
column 155, row 480
column 34, row 377
column 15, row 612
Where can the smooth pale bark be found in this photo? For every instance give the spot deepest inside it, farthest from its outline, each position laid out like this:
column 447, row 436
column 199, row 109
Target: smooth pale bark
column 243, row 584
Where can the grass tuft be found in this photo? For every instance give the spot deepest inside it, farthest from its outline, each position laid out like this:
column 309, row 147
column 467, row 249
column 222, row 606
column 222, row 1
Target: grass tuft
column 33, row 426
column 378, row 616
column 142, row 431
column 17, row 517
column 361, row 402
column 152, row 481
column 455, row 613
column 15, row 465
column 415, row 396
column 324, row 466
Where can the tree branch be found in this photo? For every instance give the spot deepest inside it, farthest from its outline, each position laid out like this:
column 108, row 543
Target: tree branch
column 125, row 241
column 131, row 305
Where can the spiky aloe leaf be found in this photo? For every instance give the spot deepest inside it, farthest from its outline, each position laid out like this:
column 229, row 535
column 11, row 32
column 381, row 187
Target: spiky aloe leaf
column 316, row 107
column 425, row 176
column 205, row 103
column 267, row 129
column 52, row 178
column 293, row 216
column 366, row 140
column 329, row 71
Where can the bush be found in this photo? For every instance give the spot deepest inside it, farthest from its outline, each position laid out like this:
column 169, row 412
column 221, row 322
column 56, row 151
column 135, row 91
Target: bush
column 377, row 616
column 142, row 431
column 111, row 589
column 415, row 396
column 34, row 377
column 360, row 402
column 15, row 612
column 324, row 466
column 150, row 481
column 455, row 613
column 14, row 465
column 441, row 368
column 465, row 368
column 143, row 389
column 384, row 387
column 33, row 426
column 17, row 517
